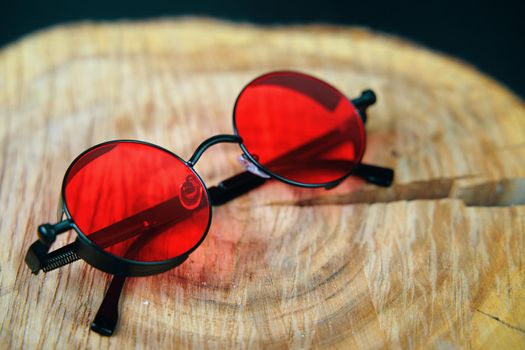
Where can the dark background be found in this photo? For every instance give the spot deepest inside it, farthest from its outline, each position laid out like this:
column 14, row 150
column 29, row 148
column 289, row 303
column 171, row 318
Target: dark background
column 486, row 34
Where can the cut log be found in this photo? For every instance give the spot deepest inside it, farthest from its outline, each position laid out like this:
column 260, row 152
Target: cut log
column 435, row 261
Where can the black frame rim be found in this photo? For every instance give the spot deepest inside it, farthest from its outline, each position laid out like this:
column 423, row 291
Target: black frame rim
column 277, row 176
column 86, row 241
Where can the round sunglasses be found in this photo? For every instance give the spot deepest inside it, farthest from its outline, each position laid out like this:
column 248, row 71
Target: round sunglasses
column 139, row 209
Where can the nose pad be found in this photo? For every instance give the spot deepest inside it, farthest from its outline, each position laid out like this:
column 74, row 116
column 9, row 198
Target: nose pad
column 190, row 193
column 252, row 168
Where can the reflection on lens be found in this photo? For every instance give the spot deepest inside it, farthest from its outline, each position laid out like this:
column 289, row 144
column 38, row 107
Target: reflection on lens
column 190, row 193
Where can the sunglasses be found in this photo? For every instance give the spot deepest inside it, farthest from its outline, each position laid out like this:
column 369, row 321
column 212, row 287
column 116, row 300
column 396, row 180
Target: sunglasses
column 139, row 209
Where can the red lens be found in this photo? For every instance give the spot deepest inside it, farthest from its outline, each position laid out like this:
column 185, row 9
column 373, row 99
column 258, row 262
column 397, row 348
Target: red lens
column 137, row 201
column 299, row 128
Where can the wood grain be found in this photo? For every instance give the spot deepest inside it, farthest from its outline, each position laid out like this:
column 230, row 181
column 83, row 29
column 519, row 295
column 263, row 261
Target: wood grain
column 436, row 261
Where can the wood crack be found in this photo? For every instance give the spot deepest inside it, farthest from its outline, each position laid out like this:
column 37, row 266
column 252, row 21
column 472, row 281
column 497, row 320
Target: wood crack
column 506, row 324
column 474, row 191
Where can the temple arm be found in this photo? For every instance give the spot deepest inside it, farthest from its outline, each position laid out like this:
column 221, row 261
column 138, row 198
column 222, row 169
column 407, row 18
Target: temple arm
column 107, row 315
column 234, row 187
column 106, row 318
column 374, row 174
column 242, row 183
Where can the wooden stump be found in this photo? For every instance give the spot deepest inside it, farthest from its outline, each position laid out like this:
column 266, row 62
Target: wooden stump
column 436, row 261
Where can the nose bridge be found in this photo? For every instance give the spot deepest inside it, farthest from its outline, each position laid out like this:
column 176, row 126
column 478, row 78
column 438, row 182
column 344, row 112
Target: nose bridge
column 210, row 142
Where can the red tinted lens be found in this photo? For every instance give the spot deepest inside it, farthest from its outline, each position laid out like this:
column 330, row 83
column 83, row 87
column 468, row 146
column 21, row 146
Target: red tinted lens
column 137, row 201
column 299, row 127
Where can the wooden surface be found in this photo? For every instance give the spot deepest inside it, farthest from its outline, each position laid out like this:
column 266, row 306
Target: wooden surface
column 436, row 261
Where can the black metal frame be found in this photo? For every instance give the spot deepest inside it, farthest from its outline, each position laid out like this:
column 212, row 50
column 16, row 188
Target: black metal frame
column 38, row 258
